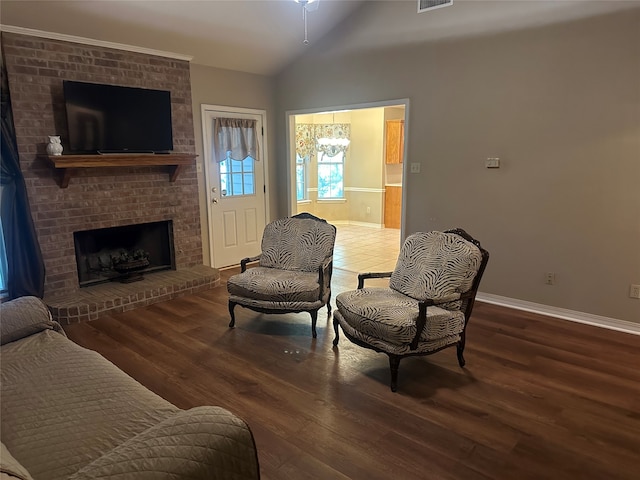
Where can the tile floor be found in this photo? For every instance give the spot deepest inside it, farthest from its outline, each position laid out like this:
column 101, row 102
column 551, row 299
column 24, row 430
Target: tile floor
column 366, row 249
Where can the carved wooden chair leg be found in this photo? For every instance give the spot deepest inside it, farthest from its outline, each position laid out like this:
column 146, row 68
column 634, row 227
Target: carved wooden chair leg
column 232, row 305
column 314, row 320
column 460, row 349
column 329, row 306
column 394, row 364
column 335, row 329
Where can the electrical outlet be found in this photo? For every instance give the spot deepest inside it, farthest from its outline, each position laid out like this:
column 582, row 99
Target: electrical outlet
column 634, row 291
column 550, row 278
column 415, row 167
column 368, row 210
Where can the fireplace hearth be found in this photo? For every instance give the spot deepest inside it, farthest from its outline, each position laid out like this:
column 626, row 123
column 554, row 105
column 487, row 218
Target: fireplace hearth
column 123, row 253
column 114, row 297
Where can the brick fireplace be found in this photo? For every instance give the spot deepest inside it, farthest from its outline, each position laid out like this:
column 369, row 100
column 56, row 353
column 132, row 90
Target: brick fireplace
column 102, row 197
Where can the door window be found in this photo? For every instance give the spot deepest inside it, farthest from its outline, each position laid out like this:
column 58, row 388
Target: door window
column 237, row 177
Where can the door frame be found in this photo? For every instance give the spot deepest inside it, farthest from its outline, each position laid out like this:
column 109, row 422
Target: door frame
column 205, row 109
column 291, row 147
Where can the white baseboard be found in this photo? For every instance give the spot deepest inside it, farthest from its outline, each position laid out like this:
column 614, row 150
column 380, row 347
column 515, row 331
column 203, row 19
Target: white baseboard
column 353, row 222
column 561, row 313
column 365, row 224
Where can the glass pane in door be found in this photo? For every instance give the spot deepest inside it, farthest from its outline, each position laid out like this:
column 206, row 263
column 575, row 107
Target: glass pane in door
column 237, row 177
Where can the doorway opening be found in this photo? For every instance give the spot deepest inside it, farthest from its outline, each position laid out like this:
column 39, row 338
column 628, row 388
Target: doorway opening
column 347, row 165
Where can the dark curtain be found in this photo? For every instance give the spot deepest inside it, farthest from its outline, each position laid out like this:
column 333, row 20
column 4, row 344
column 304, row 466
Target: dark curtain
column 25, row 267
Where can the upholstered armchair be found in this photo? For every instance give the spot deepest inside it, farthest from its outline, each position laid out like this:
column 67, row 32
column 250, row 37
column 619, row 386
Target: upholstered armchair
column 293, row 273
column 426, row 306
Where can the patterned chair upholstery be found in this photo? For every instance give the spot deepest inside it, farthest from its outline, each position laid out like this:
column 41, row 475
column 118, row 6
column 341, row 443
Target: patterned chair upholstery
column 426, row 306
column 294, row 270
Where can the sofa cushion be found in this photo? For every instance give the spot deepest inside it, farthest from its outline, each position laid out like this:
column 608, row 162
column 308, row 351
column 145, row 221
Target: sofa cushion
column 396, row 349
column 24, row 316
column 386, row 314
column 274, row 285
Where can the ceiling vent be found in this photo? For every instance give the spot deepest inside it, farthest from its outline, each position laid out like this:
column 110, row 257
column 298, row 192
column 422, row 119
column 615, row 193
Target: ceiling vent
column 426, row 5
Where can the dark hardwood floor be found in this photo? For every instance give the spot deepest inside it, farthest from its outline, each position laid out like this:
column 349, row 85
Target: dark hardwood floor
column 540, row 398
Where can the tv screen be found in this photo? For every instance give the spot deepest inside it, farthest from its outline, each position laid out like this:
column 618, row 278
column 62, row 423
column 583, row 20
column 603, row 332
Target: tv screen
column 113, row 119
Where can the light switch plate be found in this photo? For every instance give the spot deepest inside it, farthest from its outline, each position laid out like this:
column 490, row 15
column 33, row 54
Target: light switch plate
column 492, row 162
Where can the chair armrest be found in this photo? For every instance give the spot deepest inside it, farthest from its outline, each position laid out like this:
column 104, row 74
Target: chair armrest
column 421, row 321
column 363, row 276
column 327, row 262
column 467, row 295
column 452, row 297
column 244, row 261
column 324, row 275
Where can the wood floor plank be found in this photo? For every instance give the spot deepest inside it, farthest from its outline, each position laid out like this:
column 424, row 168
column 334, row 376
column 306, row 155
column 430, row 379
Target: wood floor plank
column 539, row 398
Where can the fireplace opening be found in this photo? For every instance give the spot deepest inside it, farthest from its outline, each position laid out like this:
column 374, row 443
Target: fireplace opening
column 123, row 253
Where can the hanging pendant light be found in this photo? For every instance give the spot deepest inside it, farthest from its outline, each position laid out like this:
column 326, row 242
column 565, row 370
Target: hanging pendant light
column 332, row 146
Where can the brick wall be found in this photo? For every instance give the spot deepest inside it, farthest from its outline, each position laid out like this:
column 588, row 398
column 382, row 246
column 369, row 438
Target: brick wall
column 97, row 197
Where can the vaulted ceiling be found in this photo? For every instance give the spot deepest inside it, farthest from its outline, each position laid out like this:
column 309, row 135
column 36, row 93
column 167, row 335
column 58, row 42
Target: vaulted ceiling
column 262, row 37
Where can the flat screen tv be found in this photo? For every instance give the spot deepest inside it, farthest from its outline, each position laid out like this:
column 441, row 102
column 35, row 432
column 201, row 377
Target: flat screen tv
column 114, row 119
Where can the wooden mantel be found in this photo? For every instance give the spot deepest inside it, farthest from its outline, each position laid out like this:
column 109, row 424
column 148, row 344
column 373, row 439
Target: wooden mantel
column 67, row 164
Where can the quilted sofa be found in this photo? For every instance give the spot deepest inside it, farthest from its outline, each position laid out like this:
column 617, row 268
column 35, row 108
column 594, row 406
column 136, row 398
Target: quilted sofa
column 68, row 413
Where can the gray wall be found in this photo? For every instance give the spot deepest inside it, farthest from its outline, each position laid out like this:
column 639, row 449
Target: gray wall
column 214, row 86
column 560, row 106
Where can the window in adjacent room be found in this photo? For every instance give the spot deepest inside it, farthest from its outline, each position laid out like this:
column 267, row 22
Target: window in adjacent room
column 301, row 178
column 330, row 176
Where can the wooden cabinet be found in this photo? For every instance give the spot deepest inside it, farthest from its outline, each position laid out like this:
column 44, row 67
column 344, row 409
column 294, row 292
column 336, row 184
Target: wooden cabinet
column 394, row 141
column 392, row 206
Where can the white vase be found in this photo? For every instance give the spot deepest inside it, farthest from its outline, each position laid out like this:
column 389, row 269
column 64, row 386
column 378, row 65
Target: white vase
column 54, row 147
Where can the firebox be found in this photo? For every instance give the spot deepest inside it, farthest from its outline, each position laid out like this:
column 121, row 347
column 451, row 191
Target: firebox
column 114, row 253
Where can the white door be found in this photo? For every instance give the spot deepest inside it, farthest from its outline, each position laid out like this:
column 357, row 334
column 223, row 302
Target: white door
column 236, row 192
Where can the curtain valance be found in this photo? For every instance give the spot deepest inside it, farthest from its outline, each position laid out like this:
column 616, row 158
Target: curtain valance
column 235, row 138
column 330, row 138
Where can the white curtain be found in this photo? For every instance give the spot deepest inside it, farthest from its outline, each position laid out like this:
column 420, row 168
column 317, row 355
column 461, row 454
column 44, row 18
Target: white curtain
column 235, row 138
